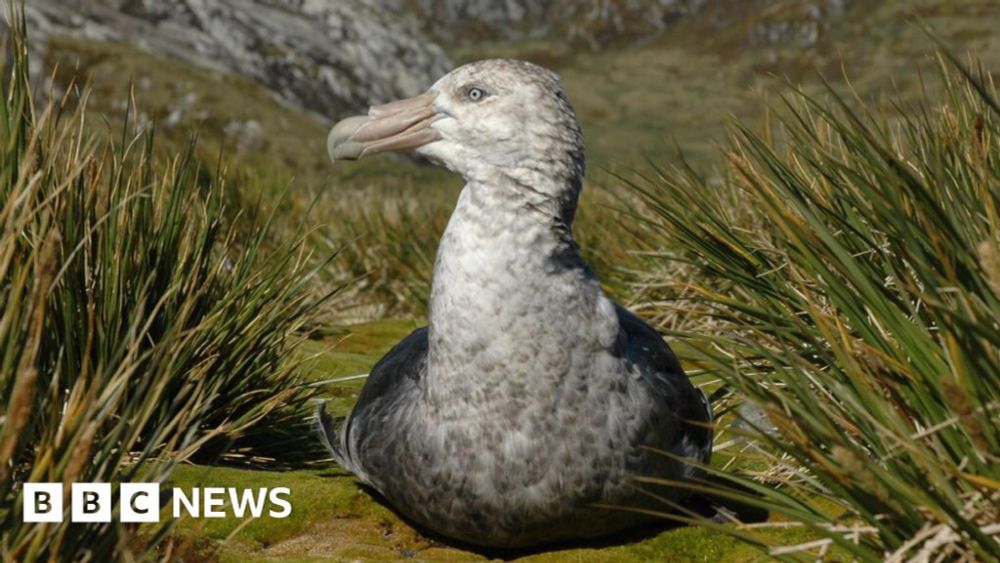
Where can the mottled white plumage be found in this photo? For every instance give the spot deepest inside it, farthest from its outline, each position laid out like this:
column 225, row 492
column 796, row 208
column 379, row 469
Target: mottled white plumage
column 531, row 399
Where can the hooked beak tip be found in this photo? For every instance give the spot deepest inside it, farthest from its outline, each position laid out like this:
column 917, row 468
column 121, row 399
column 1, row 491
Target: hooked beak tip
column 340, row 144
column 396, row 126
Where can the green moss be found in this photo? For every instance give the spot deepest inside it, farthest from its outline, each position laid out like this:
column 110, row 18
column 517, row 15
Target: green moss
column 350, row 350
column 318, row 495
column 374, row 338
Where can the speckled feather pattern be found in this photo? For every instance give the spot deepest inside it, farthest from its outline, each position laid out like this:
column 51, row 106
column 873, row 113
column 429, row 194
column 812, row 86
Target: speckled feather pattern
column 530, row 398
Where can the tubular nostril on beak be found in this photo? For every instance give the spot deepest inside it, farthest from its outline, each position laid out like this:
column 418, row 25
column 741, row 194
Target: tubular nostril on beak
column 377, row 129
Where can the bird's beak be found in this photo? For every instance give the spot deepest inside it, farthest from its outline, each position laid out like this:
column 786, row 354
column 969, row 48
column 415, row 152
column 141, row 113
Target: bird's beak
column 396, row 126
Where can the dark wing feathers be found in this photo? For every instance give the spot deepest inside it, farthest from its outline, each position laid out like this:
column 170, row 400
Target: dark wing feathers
column 663, row 371
column 646, row 344
column 394, row 374
column 408, row 360
column 405, row 364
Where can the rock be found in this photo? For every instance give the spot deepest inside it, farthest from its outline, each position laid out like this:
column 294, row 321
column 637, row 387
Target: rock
column 800, row 27
column 331, row 58
column 177, row 113
column 248, row 135
column 590, row 22
column 597, row 23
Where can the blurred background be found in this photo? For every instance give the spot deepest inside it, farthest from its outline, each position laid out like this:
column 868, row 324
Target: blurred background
column 260, row 81
column 265, row 78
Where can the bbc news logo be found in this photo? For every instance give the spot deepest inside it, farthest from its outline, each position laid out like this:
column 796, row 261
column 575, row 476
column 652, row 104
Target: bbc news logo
column 140, row 502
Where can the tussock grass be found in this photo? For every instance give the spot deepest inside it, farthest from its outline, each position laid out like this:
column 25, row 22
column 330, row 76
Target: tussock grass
column 137, row 330
column 850, row 275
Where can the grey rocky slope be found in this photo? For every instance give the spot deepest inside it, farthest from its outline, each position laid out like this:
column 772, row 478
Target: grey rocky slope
column 331, row 58
column 593, row 22
column 596, row 23
column 334, row 57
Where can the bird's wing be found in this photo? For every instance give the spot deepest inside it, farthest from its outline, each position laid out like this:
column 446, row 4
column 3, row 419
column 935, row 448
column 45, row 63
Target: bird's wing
column 661, row 369
column 394, row 376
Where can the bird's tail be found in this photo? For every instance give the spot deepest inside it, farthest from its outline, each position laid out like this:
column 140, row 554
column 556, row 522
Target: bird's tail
column 331, row 432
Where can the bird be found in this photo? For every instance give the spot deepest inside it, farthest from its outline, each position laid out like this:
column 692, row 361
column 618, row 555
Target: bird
column 526, row 409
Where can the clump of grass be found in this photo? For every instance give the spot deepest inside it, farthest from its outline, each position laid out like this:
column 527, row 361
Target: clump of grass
column 136, row 329
column 850, row 274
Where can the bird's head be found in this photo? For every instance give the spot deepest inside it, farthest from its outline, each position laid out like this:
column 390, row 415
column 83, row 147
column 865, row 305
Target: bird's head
column 483, row 120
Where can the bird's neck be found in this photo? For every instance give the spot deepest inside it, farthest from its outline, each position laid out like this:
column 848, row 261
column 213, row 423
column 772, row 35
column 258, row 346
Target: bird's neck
column 508, row 275
column 501, row 238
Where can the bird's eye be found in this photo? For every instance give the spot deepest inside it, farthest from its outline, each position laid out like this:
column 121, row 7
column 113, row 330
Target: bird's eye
column 475, row 94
